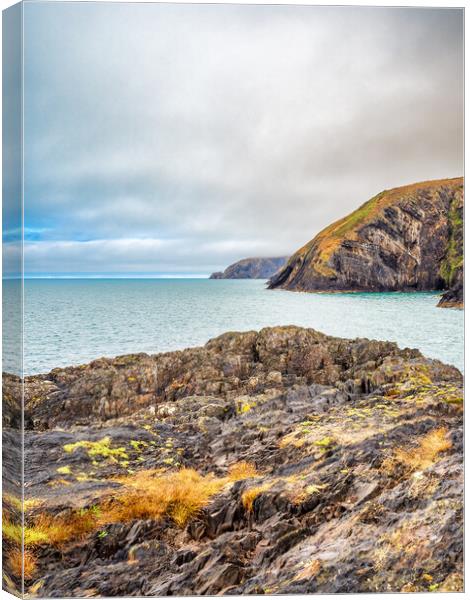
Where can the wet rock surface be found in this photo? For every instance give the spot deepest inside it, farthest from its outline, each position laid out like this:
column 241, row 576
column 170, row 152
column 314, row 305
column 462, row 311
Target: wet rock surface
column 348, row 456
column 404, row 239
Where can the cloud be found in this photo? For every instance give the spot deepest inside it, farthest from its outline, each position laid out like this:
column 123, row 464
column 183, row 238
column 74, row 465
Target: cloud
column 194, row 135
column 133, row 255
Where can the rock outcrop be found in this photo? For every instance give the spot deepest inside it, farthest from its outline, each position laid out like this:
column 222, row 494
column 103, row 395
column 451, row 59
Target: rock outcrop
column 280, row 461
column 453, row 298
column 251, row 268
column 407, row 238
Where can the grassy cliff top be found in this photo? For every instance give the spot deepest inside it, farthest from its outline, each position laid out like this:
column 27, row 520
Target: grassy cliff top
column 346, row 228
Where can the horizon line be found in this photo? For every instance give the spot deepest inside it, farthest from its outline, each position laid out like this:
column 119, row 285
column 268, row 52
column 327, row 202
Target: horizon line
column 106, row 276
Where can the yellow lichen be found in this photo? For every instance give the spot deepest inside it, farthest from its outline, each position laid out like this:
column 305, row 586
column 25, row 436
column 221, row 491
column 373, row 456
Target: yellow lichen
column 102, row 448
column 64, row 470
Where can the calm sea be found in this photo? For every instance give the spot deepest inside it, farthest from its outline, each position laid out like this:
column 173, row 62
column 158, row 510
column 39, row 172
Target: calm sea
column 74, row 321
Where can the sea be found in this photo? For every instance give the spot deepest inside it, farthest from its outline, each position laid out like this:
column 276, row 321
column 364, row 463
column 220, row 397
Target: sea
column 73, row 321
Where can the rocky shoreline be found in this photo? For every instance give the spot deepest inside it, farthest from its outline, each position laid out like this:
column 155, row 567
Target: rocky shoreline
column 279, row 461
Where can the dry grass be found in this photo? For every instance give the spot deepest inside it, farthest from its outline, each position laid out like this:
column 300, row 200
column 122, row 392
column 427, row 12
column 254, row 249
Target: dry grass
column 152, row 495
column 179, row 495
column 242, row 470
column 18, row 504
column 422, row 456
column 47, row 529
column 58, row 531
column 30, row 564
column 15, row 563
column 250, row 495
column 430, row 446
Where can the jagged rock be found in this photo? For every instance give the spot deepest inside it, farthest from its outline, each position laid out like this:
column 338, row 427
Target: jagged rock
column 353, row 456
column 407, row 238
column 230, row 366
column 453, row 298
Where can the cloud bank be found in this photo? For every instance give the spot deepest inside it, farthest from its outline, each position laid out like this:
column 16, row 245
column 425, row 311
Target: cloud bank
column 180, row 138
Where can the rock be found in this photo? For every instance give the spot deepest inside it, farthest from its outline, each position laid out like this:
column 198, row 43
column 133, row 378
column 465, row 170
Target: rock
column 274, row 377
column 403, row 239
column 332, row 466
column 251, row 268
column 453, row 298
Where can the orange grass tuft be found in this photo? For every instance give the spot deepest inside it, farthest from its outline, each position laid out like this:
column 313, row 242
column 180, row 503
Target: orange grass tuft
column 250, row 495
column 151, row 495
column 15, row 563
column 430, row 446
column 242, row 470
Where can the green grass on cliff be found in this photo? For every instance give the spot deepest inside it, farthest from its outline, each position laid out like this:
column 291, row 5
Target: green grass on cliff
column 359, row 216
column 453, row 261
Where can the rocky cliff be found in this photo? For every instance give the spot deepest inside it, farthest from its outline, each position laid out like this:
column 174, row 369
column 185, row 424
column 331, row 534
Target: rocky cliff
column 280, row 461
column 251, row 268
column 407, row 238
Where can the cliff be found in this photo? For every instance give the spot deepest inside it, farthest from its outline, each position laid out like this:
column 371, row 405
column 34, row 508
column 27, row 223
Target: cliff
column 407, row 238
column 251, row 268
column 281, row 461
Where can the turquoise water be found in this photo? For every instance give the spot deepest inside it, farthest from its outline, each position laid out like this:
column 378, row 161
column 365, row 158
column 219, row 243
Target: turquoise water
column 74, row 321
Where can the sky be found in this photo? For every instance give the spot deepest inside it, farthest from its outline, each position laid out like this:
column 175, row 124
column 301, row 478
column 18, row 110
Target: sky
column 177, row 139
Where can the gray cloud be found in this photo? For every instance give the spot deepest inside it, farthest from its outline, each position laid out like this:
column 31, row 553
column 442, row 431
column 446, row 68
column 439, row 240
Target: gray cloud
column 174, row 138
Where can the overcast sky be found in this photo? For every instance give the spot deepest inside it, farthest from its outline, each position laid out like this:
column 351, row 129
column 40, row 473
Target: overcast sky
column 177, row 139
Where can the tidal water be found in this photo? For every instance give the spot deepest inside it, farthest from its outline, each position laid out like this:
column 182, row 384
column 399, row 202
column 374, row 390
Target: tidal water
column 73, row 321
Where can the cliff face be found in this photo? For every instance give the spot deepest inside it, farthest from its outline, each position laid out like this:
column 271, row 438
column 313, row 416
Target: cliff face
column 247, row 466
column 251, row 268
column 407, row 238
